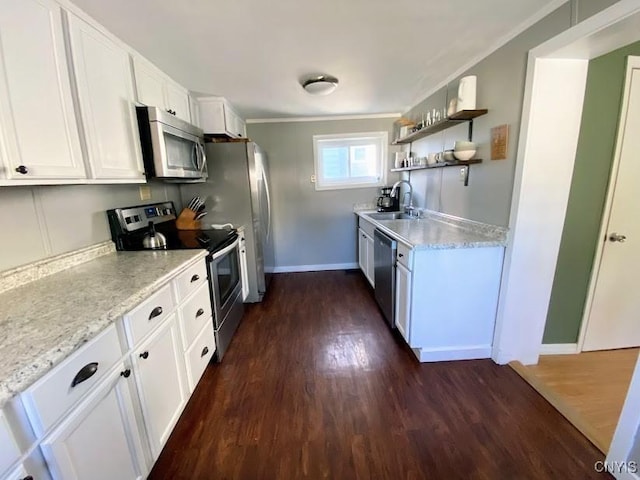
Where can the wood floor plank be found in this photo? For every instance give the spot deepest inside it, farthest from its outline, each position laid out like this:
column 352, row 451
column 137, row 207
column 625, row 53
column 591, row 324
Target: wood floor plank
column 588, row 388
column 314, row 385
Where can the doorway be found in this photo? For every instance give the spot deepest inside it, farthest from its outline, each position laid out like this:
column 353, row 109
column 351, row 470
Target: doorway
column 554, row 93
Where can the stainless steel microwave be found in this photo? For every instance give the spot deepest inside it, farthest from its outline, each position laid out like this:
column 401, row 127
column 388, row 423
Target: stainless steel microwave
column 173, row 150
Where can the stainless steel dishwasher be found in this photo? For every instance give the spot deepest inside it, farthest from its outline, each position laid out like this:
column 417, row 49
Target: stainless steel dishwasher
column 384, row 250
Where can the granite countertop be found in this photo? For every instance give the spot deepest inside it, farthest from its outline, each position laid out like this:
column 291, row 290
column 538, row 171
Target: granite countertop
column 44, row 321
column 440, row 231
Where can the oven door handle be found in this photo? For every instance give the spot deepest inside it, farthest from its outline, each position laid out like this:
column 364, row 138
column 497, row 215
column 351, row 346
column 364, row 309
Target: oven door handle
column 225, row 250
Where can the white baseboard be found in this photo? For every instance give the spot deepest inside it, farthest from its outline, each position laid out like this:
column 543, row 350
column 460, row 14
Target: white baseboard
column 558, row 348
column 470, row 352
column 314, row 268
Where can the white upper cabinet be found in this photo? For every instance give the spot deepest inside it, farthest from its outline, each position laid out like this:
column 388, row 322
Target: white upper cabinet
column 217, row 117
column 155, row 89
column 38, row 131
column 106, row 95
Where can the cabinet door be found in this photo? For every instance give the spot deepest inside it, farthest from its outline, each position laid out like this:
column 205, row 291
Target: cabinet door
column 37, row 117
column 403, row 301
column 99, row 439
column 363, row 246
column 371, row 261
column 178, row 101
column 105, row 91
column 159, row 371
column 194, row 109
column 212, row 118
column 149, row 84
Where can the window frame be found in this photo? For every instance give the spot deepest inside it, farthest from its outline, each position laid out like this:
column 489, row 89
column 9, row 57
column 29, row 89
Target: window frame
column 380, row 138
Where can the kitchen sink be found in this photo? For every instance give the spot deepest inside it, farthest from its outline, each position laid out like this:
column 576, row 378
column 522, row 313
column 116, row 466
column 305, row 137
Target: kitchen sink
column 390, row 216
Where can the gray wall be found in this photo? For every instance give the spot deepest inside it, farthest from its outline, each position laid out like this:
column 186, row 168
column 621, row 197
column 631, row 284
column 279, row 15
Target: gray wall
column 501, row 82
column 589, row 184
column 39, row 222
column 311, row 227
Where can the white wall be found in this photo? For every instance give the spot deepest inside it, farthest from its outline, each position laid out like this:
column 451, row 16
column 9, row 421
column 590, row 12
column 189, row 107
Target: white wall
column 39, row 222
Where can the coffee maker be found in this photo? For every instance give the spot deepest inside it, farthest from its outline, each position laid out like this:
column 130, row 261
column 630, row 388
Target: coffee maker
column 387, row 203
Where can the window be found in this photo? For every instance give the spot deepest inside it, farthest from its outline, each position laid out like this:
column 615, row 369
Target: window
column 352, row 160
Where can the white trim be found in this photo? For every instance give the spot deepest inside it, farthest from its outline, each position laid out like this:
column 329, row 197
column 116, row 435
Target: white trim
column 558, row 348
column 535, row 18
column 326, row 118
column 470, row 352
column 632, row 63
column 315, row 268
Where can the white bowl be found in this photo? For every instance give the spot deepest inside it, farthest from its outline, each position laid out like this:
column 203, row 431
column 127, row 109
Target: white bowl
column 464, row 145
column 464, row 154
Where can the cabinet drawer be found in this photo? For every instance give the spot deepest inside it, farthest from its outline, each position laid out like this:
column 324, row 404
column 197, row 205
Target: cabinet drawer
column 194, row 314
column 148, row 315
column 51, row 396
column 191, row 279
column 403, row 255
column 367, row 227
column 9, row 452
column 199, row 355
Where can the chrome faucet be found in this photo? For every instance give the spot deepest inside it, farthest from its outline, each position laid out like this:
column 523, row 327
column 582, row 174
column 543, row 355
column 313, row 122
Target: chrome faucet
column 408, row 208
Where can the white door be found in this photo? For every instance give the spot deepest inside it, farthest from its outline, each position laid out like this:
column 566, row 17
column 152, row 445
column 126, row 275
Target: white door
column 99, row 439
column 614, row 318
column 105, row 90
column 371, row 261
column 178, row 101
column 403, row 301
column 37, row 118
column 160, row 374
column 362, row 251
column 149, row 84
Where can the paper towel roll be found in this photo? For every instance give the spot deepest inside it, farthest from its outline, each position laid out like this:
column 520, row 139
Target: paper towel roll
column 467, row 93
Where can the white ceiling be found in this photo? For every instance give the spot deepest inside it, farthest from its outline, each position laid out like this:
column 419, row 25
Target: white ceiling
column 387, row 54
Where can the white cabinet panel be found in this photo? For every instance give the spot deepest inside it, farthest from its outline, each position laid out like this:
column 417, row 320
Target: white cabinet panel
column 37, row 118
column 159, row 371
column 199, row 355
column 194, row 111
column 244, row 268
column 403, row 301
column 178, row 101
column 366, row 258
column 9, row 453
column 217, row 117
column 149, row 84
column 99, row 440
column 105, row 91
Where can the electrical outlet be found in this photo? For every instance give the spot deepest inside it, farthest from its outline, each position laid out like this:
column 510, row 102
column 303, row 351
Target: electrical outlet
column 463, row 174
column 145, row 192
column 313, row 179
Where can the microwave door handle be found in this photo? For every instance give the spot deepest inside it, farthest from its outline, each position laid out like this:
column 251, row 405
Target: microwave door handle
column 194, row 156
column 202, row 156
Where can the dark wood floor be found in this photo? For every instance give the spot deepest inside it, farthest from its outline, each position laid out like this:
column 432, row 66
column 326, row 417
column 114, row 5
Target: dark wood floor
column 314, row 385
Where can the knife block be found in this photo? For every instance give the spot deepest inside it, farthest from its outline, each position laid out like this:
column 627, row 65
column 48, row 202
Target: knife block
column 186, row 220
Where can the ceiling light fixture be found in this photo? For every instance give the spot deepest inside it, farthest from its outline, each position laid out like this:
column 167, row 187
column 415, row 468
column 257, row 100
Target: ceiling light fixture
column 320, row 85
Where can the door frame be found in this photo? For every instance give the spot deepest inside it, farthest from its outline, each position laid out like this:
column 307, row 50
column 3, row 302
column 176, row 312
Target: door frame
column 551, row 118
column 632, row 62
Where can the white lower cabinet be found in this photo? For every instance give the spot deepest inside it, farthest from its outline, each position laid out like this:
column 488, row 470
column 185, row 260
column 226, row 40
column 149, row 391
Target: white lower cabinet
column 366, row 255
column 403, row 301
column 99, row 439
column 199, row 355
column 158, row 366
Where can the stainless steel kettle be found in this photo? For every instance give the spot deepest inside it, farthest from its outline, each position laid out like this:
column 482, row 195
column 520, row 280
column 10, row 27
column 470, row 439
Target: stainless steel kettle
column 154, row 240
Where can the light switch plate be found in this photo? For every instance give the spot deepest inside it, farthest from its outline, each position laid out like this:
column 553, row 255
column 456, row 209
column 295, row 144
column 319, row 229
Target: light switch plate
column 145, row 192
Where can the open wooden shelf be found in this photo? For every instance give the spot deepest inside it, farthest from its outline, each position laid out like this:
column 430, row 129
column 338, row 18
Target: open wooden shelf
column 451, row 121
column 459, row 163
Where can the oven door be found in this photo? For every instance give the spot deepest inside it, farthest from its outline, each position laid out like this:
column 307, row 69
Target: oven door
column 224, row 274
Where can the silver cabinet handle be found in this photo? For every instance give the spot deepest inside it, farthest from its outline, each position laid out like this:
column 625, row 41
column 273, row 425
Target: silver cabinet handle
column 615, row 237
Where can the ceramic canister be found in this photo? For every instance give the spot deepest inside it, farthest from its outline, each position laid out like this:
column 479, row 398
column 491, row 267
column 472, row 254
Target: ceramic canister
column 467, row 93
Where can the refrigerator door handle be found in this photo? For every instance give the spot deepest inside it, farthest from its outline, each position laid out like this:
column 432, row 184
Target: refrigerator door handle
column 266, row 188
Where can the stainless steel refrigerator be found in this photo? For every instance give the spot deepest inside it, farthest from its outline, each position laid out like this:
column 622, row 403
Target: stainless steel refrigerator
column 237, row 192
